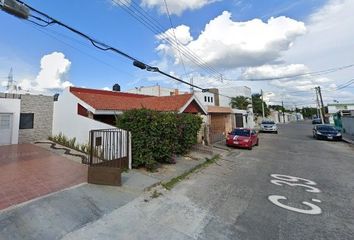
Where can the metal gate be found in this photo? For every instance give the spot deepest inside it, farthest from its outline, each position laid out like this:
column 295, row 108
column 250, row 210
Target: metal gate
column 109, row 154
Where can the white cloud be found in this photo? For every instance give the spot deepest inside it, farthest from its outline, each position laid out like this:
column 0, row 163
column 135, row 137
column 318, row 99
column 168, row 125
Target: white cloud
column 176, row 7
column 328, row 44
column 52, row 76
column 226, row 44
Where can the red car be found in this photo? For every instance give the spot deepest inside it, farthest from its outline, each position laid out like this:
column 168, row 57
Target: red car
column 242, row 137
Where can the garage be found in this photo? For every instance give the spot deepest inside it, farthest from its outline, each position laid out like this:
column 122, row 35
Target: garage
column 5, row 128
column 219, row 123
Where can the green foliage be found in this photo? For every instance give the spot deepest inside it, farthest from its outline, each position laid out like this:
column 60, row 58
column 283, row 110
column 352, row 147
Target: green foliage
column 69, row 142
column 257, row 105
column 240, row 102
column 158, row 136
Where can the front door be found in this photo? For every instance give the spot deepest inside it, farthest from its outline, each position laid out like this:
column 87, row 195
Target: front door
column 5, row 128
column 239, row 120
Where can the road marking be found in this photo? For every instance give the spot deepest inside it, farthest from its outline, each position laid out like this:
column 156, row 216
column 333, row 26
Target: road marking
column 295, row 181
column 309, row 188
column 314, row 209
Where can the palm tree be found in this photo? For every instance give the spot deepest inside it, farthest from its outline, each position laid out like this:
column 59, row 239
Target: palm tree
column 240, row 102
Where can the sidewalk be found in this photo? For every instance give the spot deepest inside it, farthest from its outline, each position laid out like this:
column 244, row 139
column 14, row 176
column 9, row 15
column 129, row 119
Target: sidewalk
column 348, row 138
column 55, row 215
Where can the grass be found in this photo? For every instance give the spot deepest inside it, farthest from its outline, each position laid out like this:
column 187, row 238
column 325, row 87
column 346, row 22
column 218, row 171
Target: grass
column 170, row 184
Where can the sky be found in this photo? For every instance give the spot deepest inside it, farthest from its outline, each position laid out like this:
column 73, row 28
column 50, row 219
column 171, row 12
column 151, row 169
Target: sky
column 216, row 43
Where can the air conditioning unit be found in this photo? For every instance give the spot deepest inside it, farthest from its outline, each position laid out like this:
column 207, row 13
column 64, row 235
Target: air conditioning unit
column 15, row 8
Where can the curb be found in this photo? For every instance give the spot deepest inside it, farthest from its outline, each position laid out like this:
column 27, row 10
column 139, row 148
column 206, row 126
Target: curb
column 348, row 140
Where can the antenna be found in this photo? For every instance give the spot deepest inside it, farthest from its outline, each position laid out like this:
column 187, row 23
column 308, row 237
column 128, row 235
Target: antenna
column 11, row 87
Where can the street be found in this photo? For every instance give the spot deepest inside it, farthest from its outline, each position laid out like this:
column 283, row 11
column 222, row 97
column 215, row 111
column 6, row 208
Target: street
column 289, row 187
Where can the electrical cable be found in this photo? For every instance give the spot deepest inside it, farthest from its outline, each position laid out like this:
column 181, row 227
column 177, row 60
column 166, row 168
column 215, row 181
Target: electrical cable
column 174, row 34
column 154, row 26
column 104, row 47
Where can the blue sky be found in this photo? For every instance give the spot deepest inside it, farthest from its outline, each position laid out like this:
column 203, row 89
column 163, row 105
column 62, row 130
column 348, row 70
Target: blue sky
column 23, row 44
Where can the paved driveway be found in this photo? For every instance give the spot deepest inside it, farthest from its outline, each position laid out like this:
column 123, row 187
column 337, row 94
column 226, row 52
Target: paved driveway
column 28, row 171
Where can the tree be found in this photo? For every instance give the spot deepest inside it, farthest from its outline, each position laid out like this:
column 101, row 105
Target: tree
column 257, row 105
column 240, row 102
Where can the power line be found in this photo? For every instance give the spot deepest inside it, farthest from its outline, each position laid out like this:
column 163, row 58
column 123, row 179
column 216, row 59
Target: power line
column 137, row 12
column 100, row 45
column 174, row 34
column 309, row 74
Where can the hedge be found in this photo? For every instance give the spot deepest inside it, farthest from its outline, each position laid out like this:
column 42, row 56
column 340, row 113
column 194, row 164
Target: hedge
column 158, row 136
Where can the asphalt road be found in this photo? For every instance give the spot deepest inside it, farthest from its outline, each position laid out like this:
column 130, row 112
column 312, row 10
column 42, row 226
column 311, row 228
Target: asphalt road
column 235, row 198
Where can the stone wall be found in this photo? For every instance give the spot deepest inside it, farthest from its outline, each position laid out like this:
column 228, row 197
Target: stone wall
column 42, row 108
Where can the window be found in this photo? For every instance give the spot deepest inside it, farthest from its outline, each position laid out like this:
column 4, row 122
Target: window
column 5, row 121
column 205, row 98
column 208, row 99
column 26, row 120
column 212, row 99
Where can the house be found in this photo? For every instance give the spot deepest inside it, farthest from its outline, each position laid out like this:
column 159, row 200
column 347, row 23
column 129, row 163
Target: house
column 218, row 106
column 243, row 118
column 335, row 108
column 25, row 118
column 79, row 110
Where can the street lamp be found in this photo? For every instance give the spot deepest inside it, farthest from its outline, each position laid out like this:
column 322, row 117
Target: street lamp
column 14, row 8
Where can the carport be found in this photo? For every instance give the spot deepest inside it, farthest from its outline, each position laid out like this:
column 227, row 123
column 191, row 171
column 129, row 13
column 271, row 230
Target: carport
column 28, row 171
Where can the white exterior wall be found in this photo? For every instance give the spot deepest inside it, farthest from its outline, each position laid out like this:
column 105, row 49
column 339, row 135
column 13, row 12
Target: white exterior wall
column 233, row 92
column 205, row 98
column 334, row 108
column 153, row 91
column 68, row 122
column 348, row 124
column 13, row 106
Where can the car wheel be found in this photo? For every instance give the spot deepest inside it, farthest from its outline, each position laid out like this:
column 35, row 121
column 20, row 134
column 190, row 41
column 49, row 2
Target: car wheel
column 276, row 132
column 250, row 147
column 257, row 143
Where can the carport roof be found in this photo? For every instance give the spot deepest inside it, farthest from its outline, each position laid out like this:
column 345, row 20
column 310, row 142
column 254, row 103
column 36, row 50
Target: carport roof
column 217, row 109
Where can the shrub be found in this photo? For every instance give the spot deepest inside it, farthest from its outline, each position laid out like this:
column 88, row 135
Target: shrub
column 158, row 136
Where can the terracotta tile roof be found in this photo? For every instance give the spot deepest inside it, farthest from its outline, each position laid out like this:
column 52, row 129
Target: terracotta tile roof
column 120, row 101
column 217, row 109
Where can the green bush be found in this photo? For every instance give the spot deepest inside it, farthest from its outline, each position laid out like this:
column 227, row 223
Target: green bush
column 158, row 136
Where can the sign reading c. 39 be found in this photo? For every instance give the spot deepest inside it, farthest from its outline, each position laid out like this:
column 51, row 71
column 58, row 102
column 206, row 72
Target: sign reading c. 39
column 307, row 185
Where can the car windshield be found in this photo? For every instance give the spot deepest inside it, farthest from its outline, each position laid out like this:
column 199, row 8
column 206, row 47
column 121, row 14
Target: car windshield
column 268, row 122
column 241, row 132
column 326, row 128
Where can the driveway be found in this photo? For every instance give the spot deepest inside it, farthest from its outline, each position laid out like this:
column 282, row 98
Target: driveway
column 28, row 171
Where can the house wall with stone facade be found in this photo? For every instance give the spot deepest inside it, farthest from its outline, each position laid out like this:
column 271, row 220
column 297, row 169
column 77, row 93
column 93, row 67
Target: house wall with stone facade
column 42, row 109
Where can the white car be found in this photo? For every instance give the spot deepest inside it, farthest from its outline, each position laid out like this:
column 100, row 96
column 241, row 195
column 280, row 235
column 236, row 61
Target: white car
column 269, row 126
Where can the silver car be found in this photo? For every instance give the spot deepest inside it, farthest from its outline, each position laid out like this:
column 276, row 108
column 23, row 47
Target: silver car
column 269, row 126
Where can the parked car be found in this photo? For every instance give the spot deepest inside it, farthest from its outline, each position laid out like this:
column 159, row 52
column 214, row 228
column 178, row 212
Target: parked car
column 316, row 121
column 326, row 132
column 269, row 126
column 242, row 137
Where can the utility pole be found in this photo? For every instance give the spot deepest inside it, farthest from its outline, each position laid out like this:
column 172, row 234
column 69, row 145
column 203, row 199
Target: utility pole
column 319, row 106
column 322, row 106
column 262, row 104
column 283, row 110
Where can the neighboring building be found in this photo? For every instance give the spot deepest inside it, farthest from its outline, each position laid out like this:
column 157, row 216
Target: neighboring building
column 156, row 90
column 243, row 118
column 221, row 121
column 334, row 108
column 79, row 110
column 212, row 98
column 25, row 118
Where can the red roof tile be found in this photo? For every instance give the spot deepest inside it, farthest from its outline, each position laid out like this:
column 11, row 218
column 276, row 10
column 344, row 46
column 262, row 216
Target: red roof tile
column 120, row 101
